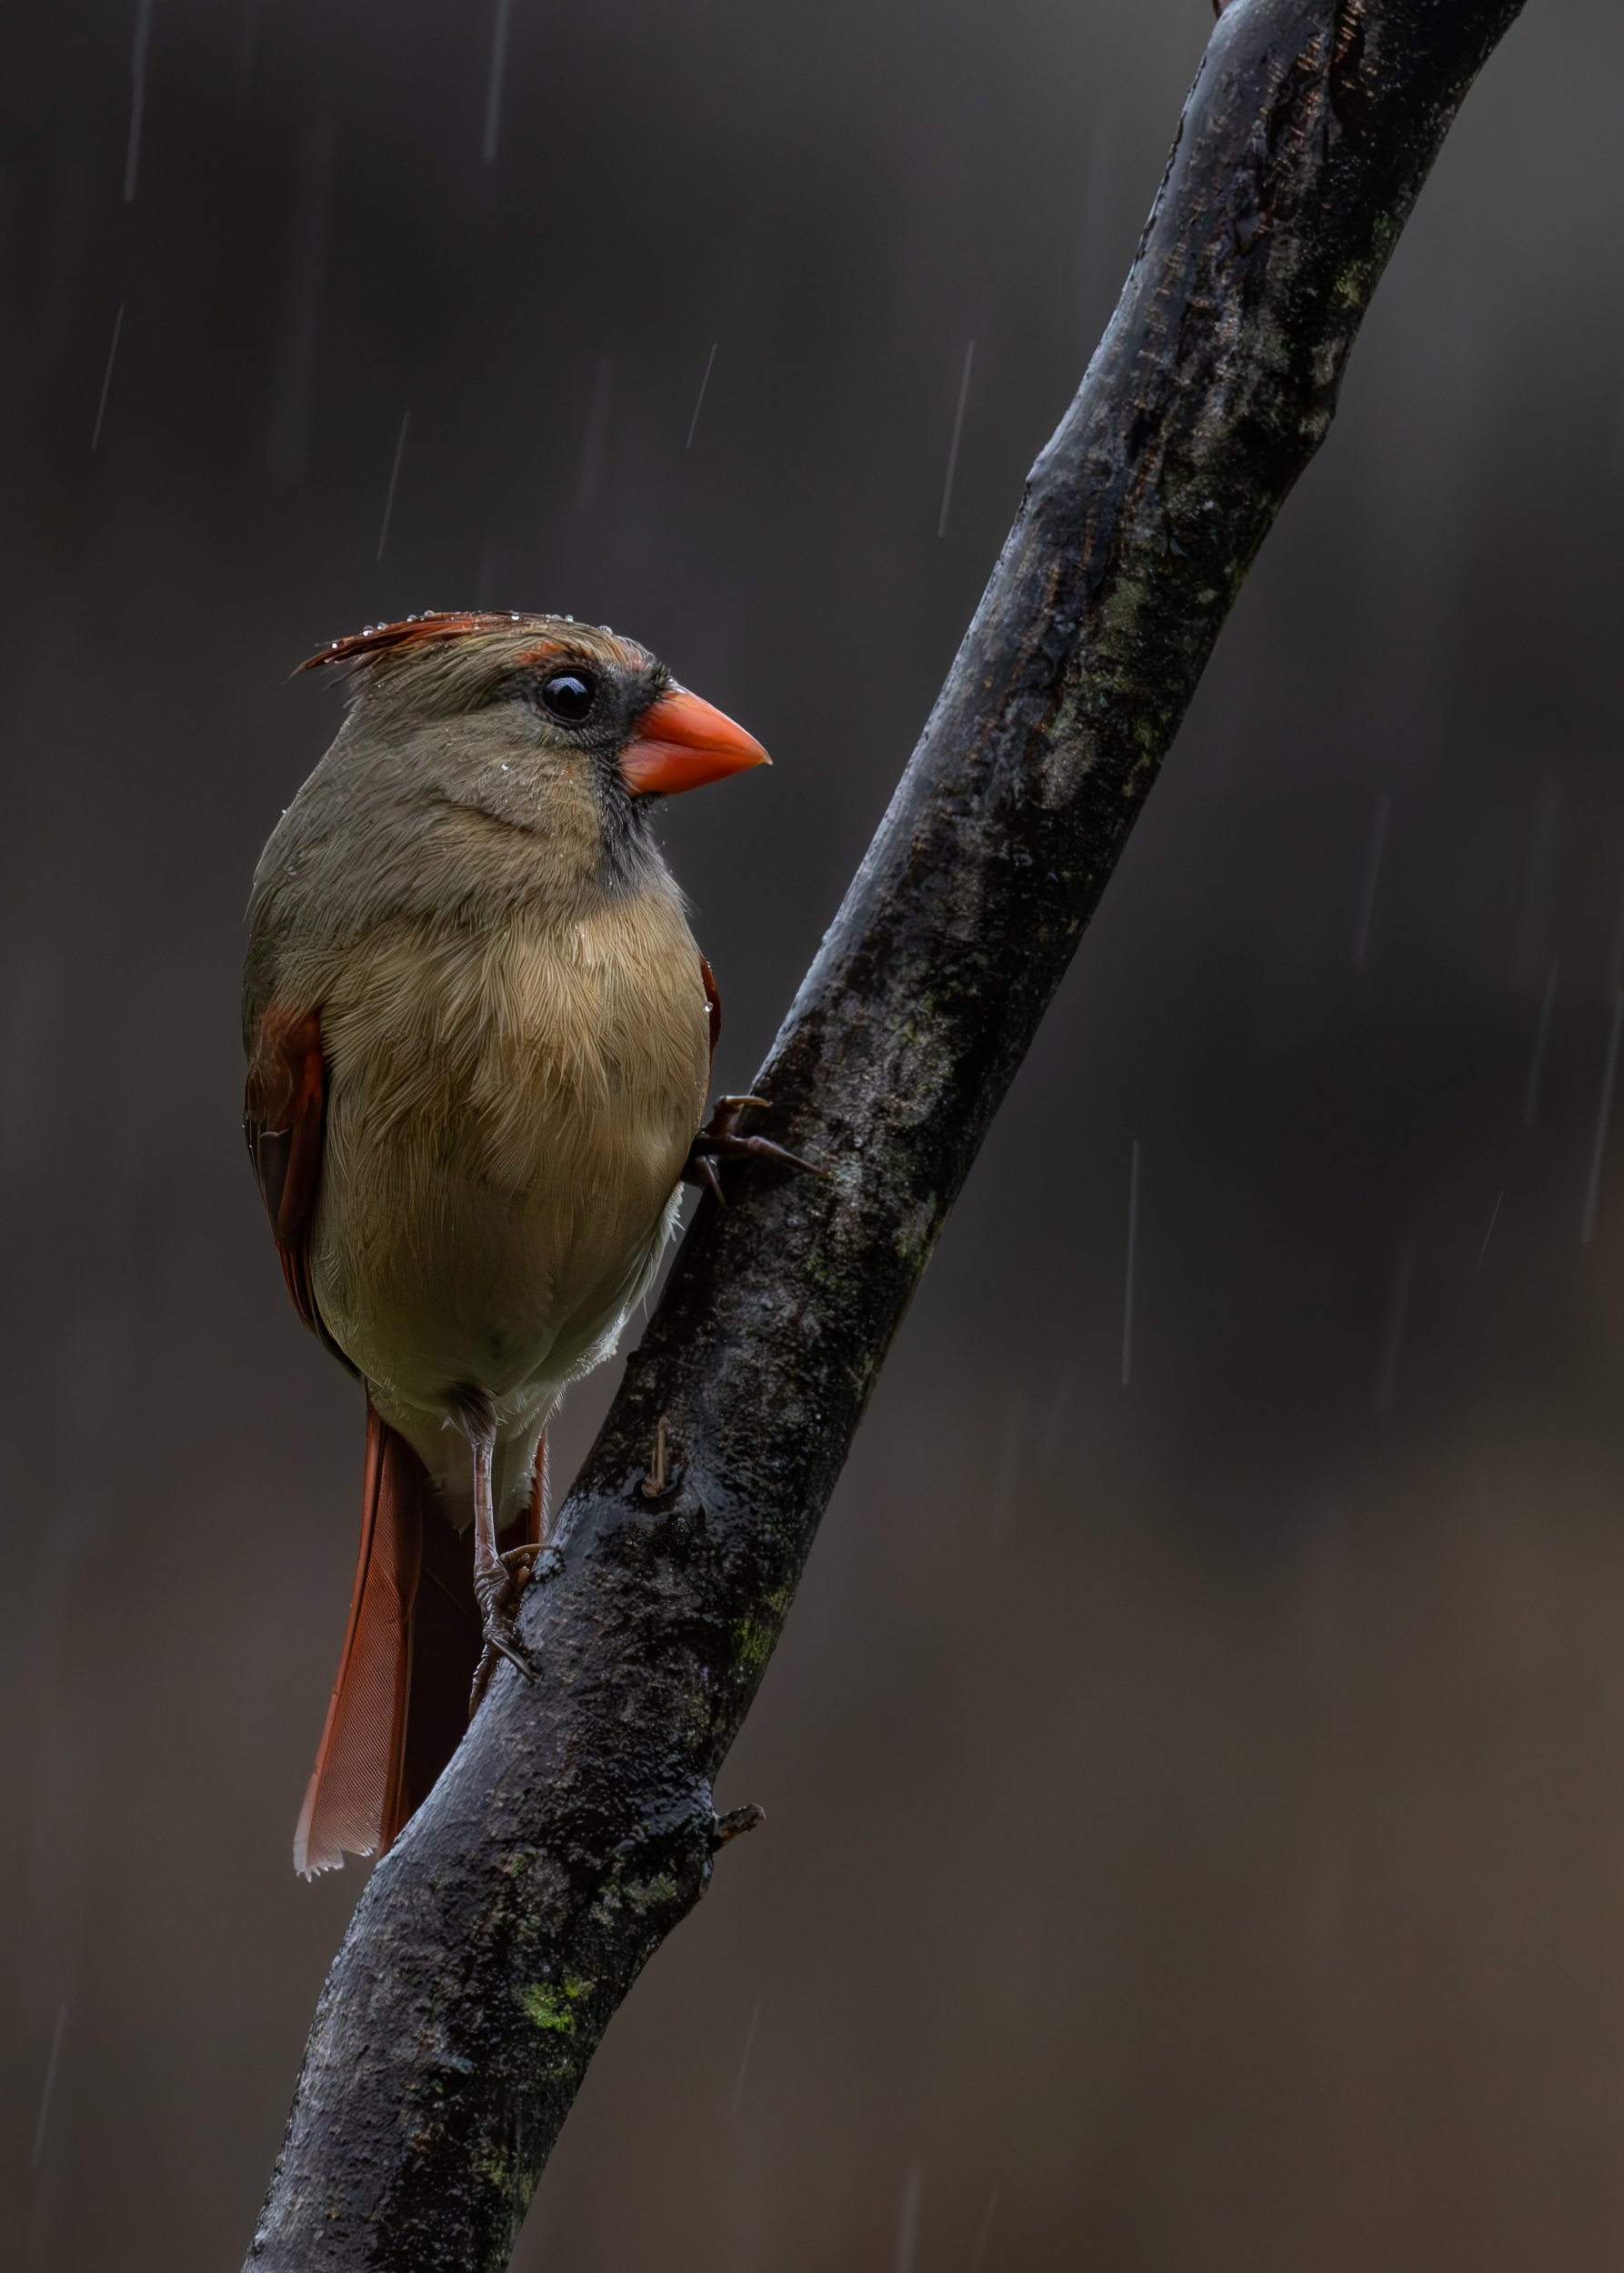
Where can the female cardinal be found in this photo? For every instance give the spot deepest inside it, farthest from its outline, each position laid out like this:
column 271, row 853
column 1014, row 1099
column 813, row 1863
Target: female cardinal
column 479, row 1035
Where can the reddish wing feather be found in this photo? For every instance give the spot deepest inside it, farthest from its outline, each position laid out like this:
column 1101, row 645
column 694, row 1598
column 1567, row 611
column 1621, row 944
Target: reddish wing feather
column 713, row 1004
column 284, row 1114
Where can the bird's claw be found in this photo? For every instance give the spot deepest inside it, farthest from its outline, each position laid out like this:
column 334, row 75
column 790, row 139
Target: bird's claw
column 532, row 1561
column 701, row 1169
column 501, row 1640
column 719, row 1140
column 497, row 1593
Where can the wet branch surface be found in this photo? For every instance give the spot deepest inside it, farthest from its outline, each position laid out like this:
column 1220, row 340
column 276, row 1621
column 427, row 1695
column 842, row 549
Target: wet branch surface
column 575, row 1827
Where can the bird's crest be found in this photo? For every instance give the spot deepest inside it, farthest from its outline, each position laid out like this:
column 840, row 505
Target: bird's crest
column 381, row 642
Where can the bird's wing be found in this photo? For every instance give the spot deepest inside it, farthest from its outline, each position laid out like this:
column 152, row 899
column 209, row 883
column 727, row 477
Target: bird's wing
column 713, row 1004
column 284, row 1110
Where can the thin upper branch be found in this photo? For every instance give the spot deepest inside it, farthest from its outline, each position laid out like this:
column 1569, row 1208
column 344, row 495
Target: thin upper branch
column 575, row 1827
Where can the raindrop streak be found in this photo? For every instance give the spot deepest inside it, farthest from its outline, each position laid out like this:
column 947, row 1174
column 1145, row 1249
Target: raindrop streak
column 1542, row 1037
column 908, row 2223
column 964, row 396
column 1488, row 1235
column 492, row 93
column 58, row 2033
column 699, row 405
column 1594, row 1193
column 131, row 157
column 382, row 534
column 597, row 427
column 1133, row 1246
column 738, row 2089
column 1379, row 837
column 981, row 2238
column 101, row 408
column 1392, row 1349
column 1536, row 895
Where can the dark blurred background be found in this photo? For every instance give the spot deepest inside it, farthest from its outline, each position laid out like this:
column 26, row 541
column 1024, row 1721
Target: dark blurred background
column 1196, row 1805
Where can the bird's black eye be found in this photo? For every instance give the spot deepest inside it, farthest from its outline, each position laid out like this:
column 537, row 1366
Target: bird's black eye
column 569, row 695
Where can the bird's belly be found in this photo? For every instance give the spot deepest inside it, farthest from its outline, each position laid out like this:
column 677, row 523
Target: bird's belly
column 498, row 1180
column 471, row 1285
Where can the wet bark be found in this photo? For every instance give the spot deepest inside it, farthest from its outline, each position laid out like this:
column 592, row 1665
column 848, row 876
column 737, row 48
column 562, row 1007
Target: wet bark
column 575, row 1827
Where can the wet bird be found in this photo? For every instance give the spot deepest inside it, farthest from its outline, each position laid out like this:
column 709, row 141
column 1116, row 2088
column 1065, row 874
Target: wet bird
column 479, row 1035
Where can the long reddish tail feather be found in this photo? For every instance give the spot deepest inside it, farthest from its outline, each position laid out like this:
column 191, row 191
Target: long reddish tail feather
column 400, row 1702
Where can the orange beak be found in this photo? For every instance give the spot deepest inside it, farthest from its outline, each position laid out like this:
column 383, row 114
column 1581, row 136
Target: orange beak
column 682, row 742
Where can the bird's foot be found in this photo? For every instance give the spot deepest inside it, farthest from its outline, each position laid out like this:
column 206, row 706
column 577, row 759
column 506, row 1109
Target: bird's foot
column 719, row 1140
column 501, row 1638
column 497, row 1593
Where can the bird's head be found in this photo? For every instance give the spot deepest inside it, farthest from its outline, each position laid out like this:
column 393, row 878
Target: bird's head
column 522, row 719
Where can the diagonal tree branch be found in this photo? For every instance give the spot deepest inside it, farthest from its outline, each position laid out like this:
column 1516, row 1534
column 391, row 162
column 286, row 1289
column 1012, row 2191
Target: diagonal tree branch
column 575, row 1827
